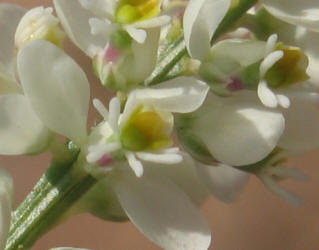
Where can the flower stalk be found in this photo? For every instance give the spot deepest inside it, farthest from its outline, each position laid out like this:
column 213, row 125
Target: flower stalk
column 57, row 190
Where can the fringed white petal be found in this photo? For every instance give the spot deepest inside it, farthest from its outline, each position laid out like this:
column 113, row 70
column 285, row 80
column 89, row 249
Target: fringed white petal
column 135, row 164
column 167, row 158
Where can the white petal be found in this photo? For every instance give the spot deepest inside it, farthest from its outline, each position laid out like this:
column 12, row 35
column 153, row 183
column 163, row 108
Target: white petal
column 135, row 164
column 101, row 8
column 269, row 61
column 114, row 113
column 75, row 21
column 309, row 43
column 200, row 21
column 163, row 213
column 238, row 130
column 160, row 158
column 225, row 182
column 96, row 152
column 21, row 131
column 304, row 13
column 266, row 95
column 271, row 44
column 139, row 35
column 283, row 101
column 181, row 95
column 99, row 106
column 100, row 27
column 10, row 16
column 184, row 175
column 57, row 88
column 302, row 121
column 144, row 57
column 8, row 84
column 6, row 202
column 153, row 22
column 244, row 52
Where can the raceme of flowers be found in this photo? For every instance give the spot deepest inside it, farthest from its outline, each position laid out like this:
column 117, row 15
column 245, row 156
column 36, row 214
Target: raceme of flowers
column 239, row 107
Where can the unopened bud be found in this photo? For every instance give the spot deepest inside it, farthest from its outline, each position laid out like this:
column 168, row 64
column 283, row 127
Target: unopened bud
column 39, row 23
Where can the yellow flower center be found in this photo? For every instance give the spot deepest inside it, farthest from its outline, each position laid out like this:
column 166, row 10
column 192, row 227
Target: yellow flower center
column 130, row 11
column 290, row 69
column 147, row 129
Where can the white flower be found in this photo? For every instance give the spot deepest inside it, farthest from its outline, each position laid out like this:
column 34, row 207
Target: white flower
column 124, row 54
column 145, row 127
column 124, row 63
column 236, row 130
column 59, row 94
column 253, row 65
column 89, row 24
column 21, row 131
column 200, row 21
column 293, row 35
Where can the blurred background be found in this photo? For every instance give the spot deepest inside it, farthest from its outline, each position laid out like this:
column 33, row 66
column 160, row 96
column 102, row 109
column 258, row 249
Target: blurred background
column 258, row 221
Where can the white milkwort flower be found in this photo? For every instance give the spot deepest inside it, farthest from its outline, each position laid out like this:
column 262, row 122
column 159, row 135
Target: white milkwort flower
column 124, row 63
column 23, row 132
column 90, row 22
column 236, row 130
column 124, row 54
column 294, row 35
column 144, row 129
column 59, row 94
column 241, row 131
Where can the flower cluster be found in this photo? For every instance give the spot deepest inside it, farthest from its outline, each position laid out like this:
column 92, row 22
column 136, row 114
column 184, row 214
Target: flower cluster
column 240, row 104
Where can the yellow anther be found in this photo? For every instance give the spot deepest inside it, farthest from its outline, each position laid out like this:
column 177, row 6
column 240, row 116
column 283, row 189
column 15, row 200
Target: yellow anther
column 130, row 11
column 149, row 128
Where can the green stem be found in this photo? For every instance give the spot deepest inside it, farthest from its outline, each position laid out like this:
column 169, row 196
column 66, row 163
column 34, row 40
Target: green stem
column 177, row 49
column 57, row 190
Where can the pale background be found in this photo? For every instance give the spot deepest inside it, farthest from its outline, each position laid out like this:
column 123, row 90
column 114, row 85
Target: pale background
column 258, row 221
